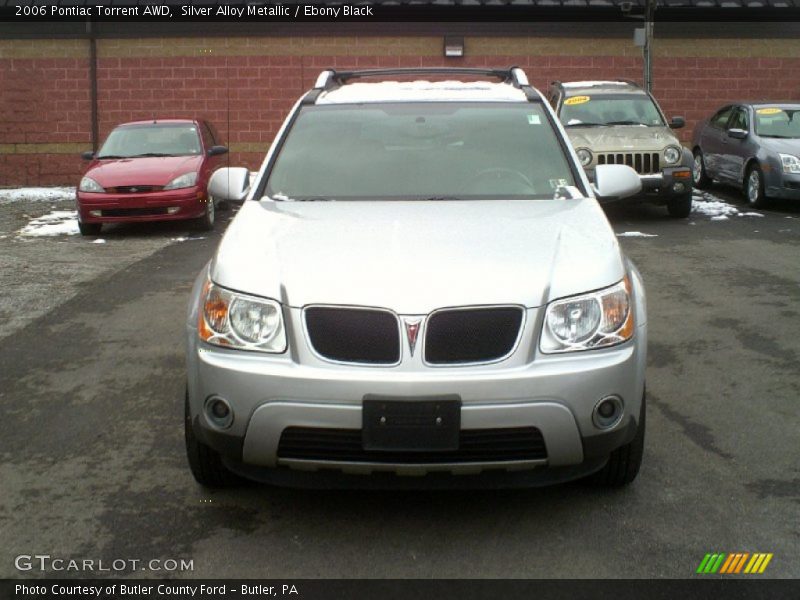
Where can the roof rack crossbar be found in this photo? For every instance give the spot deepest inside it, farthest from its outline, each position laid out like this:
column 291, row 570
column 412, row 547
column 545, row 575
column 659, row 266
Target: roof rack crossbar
column 330, row 79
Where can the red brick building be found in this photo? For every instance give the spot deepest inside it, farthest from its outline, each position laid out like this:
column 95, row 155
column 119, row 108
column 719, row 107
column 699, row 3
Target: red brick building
column 245, row 80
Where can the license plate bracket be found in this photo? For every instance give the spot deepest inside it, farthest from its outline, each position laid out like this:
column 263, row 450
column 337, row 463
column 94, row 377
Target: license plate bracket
column 418, row 424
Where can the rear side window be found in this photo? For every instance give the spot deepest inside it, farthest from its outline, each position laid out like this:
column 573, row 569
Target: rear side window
column 424, row 150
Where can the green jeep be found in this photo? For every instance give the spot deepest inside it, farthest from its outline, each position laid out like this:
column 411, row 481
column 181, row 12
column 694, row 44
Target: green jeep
column 617, row 122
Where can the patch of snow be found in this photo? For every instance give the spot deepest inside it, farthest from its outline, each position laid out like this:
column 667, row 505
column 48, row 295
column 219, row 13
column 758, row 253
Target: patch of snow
column 185, row 238
column 98, row 241
column 580, row 84
column 56, row 222
column 636, row 234
column 37, row 194
column 709, row 205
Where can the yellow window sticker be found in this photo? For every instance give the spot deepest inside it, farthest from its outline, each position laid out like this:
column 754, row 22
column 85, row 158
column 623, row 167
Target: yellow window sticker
column 577, row 100
column 769, row 111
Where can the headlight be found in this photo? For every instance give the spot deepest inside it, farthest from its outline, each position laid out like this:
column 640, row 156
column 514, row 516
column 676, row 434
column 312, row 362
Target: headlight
column 89, row 185
column 234, row 320
column 791, row 164
column 184, row 181
column 672, row 155
column 593, row 320
column 585, row 156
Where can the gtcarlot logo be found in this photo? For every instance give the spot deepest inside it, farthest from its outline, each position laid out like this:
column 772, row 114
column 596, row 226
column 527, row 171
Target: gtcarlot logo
column 734, row 563
column 46, row 562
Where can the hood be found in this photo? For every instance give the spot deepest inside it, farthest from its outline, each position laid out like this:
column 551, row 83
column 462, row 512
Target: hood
column 156, row 171
column 622, row 137
column 786, row 146
column 414, row 257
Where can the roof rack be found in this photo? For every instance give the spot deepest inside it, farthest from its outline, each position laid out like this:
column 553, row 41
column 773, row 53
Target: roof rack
column 331, row 79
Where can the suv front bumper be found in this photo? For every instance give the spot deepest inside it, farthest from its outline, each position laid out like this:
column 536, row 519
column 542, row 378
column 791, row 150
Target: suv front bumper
column 555, row 394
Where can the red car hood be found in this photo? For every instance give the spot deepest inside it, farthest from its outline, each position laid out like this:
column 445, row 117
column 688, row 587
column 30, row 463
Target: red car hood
column 142, row 171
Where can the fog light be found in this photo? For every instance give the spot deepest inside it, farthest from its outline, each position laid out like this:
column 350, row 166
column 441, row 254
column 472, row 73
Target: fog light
column 679, row 187
column 607, row 412
column 96, row 213
column 219, row 412
column 173, row 209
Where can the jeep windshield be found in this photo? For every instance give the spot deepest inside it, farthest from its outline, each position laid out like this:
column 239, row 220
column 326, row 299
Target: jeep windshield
column 610, row 109
column 420, row 151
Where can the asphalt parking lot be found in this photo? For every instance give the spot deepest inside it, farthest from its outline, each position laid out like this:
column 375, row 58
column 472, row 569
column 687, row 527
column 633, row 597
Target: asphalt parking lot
column 91, row 436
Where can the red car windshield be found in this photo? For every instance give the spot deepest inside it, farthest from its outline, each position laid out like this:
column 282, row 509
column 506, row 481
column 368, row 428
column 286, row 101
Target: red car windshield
column 133, row 141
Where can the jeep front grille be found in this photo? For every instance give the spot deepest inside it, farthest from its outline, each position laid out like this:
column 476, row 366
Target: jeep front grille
column 354, row 335
column 475, row 445
column 643, row 163
column 471, row 335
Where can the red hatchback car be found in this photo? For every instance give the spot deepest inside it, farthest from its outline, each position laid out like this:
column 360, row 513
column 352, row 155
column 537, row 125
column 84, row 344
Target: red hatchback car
column 150, row 171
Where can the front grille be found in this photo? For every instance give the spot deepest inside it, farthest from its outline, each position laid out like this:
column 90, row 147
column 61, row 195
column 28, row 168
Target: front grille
column 354, row 335
column 133, row 212
column 475, row 445
column 642, row 162
column 134, row 189
column 471, row 335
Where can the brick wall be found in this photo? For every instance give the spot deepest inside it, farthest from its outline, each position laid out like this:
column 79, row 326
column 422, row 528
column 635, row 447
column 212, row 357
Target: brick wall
column 246, row 85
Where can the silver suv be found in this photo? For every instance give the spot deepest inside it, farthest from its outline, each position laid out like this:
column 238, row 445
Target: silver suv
column 419, row 290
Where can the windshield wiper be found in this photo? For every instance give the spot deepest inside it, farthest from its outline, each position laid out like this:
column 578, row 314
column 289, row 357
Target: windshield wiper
column 585, row 125
column 783, row 137
column 148, row 155
column 441, row 198
column 625, row 123
column 104, row 156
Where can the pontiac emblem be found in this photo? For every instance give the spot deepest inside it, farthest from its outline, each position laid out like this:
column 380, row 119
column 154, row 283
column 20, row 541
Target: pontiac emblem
column 412, row 331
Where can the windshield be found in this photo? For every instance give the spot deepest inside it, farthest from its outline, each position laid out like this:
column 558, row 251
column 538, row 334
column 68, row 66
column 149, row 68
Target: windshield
column 420, row 151
column 131, row 141
column 610, row 109
column 780, row 122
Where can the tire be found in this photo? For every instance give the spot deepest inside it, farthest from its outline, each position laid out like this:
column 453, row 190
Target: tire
column 754, row 187
column 204, row 462
column 90, row 228
column 699, row 176
column 624, row 462
column 680, row 207
column 206, row 222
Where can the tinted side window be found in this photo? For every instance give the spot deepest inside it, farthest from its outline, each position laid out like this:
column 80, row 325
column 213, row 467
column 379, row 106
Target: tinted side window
column 720, row 119
column 739, row 120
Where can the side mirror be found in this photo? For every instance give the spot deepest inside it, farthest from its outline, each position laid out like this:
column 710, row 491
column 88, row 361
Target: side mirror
column 739, row 134
column 677, row 122
column 612, row 182
column 87, row 155
column 217, row 150
column 229, row 184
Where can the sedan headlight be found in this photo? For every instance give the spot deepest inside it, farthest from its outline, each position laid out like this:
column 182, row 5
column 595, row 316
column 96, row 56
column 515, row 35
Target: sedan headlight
column 594, row 320
column 184, row 181
column 672, row 155
column 791, row 163
column 90, row 185
column 585, row 156
column 234, row 320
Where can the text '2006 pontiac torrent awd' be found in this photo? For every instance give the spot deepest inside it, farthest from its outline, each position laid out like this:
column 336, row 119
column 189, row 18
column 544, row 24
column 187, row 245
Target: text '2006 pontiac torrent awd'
column 420, row 290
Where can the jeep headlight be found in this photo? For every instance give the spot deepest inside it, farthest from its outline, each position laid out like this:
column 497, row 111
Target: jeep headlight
column 233, row 320
column 791, row 163
column 585, row 156
column 672, row 155
column 182, row 181
column 88, row 184
column 593, row 320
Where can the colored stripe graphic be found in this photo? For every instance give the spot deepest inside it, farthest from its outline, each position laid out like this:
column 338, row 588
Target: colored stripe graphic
column 734, row 563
